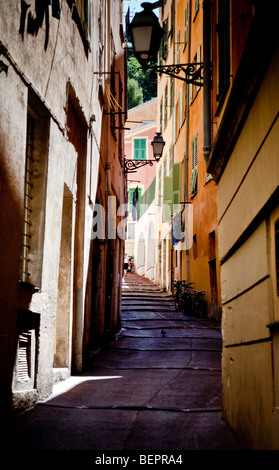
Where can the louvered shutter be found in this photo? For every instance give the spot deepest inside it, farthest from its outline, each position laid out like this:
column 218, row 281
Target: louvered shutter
column 167, row 198
column 176, row 185
column 139, row 149
column 194, row 177
column 24, row 357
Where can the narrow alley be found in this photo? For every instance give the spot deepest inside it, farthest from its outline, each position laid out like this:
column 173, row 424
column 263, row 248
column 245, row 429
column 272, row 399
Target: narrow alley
column 158, row 387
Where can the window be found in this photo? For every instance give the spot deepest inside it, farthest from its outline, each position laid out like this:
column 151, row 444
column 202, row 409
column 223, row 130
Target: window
column 27, row 211
column 176, row 185
column 186, row 28
column 165, row 38
column 171, row 160
column 139, row 149
column 172, row 19
column 178, row 48
column 34, row 193
column 194, row 177
column 165, row 166
column 166, row 106
column 161, row 116
column 131, row 230
column 160, row 185
column 197, row 6
column 84, row 9
column 167, row 199
column 171, row 93
column 101, row 39
column 180, row 107
column 174, row 124
column 193, row 89
column 24, row 373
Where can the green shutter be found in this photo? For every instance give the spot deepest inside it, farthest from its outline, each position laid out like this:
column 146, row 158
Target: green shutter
column 88, row 18
column 167, row 198
column 139, row 149
column 171, row 92
column 142, row 149
column 176, row 184
column 165, row 38
column 194, row 177
column 166, row 106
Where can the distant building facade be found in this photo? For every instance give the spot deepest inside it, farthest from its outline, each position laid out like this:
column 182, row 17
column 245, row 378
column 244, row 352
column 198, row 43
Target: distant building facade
column 141, row 128
column 183, row 183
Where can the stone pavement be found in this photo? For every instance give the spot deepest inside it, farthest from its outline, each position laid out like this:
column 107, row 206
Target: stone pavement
column 157, row 388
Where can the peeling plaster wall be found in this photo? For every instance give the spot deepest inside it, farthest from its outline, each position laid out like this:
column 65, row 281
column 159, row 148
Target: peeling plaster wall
column 45, row 64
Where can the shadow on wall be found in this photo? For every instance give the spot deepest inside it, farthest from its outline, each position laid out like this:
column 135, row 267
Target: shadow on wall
column 10, row 290
column 34, row 18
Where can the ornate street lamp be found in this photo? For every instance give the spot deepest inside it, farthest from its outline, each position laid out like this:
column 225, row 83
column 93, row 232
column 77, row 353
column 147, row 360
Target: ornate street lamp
column 146, row 34
column 130, row 166
column 158, row 144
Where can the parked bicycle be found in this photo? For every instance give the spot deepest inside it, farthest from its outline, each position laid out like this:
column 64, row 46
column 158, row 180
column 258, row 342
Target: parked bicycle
column 177, row 293
column 188, row 299
column 198, row 304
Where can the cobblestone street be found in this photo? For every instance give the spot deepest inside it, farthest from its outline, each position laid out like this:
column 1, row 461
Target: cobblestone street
column 158, row 387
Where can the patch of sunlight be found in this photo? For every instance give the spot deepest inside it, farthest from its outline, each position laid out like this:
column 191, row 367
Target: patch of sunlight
column 124, row 284
column 71, row 382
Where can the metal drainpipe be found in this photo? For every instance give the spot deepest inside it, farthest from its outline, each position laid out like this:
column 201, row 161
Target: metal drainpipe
column 186, row 163
column 206, row 80
column 173, row 153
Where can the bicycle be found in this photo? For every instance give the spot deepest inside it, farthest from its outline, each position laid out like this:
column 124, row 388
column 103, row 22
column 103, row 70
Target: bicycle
column 198, row 304
column 189, row 300
column 186, row 297
column 177, row 293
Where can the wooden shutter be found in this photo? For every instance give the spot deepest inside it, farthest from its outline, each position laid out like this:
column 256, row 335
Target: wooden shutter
column 165, row 38
column 194, row 177
column 198, row 60
column 176, row 184
column 88, row 19
column 139, row 149
column 167, row 198
column 166, row 106
column 24, row 357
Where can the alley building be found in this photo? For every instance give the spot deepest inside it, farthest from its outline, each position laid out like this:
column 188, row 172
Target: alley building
column 244, row 162
column 184, row 188
column 220, row 163
column 63, row 107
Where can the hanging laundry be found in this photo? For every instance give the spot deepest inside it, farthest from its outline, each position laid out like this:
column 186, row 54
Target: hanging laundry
column 176, row 229
column 135, row 199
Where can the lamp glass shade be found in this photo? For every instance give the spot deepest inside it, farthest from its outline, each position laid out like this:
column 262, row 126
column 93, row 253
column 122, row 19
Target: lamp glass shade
column 142, row 39
column 158, row 144
column 146, row 34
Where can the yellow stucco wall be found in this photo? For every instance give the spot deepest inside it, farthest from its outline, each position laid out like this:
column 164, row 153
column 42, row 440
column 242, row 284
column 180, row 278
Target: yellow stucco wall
column 246, row 233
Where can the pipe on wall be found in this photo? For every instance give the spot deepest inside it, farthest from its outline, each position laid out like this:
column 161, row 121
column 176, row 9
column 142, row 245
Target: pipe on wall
column 206, row 79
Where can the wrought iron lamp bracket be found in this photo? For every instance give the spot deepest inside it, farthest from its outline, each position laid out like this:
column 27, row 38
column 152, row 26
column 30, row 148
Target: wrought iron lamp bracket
column 130, row 166
column 192, row 72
